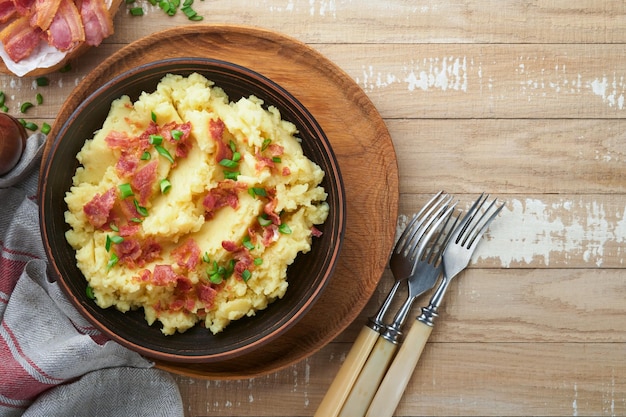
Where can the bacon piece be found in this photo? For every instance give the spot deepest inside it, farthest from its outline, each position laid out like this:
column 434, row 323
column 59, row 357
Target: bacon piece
column 66, row 30
column 225, row 194
column 206, row 294
column 269, row 209
column 134, row 253
column 96, row 19
column 43, row 12
column 23, row 6
column 119, row 140
column 20, row 39
column 7, row 10
column 242, row 256
column 99, row 208
column 127, row 164
column 163, row 275
column 315, row 232
column 223, row 151
column 144, row 179
column 263, row 162
column 187, row 255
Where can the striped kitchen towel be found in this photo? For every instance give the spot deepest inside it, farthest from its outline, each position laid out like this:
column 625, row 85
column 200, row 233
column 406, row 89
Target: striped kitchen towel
column 52, row 361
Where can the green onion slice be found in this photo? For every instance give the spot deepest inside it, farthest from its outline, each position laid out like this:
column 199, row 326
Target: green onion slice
column 165, row 185
column 146, row 156
column 155, row 139
column 228, row 163
column 246, row 275
column 247, row 243
column 45, row 128
column 112, row 261
column 284, row 229
column 164, row 153
column 89, row 292
column 140, row 209
column 126, row 190
column 264, row 221
column 176, row 134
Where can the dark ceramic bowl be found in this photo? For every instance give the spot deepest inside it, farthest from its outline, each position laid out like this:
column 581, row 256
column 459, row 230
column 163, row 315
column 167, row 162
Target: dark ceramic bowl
column 307, row 276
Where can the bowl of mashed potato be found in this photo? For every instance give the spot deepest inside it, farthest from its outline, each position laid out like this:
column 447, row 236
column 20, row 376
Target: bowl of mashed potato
column 192, row 209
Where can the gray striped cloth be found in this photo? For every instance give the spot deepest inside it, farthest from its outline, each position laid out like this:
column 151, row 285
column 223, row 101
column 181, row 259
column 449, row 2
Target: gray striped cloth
column 52, row 361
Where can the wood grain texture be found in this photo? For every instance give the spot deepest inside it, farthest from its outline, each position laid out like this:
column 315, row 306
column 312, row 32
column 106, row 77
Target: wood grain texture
column 523, row 99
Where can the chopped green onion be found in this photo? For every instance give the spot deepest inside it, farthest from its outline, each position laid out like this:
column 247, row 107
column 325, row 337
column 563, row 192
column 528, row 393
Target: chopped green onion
column 4, row 108
column 264, row 221
column 140, row 209
column 257, row 191
column 265, row 144
column 146, row 156
column 236, row 156
column 107, row 243
column 231, row 175
column 45, row 128
column 25, row 106
column 165, row 185
column 258, row 261
column 89, row 292
column 126, row 190
column 189, row 12
column 176, row 134
column 284, row 229
column 130, row 1
column 247, row 243
column 164, row 153
column 136, row 11
column 117, row 239
column 112, row 261
column 2, row 98
column 42, row 81
column 276, row 159
column 31, row 126
column 205, row 257
column 155, row 139
column 187, row 3
column 196, row 18
column 136, row 220
column 228, row 163
column 246, row 275
column 66, row 68
column 39, row 98
column 153, row 116
column 114, row 227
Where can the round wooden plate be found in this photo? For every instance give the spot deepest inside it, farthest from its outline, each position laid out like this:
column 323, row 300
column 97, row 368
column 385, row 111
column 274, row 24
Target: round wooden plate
column 361, row 143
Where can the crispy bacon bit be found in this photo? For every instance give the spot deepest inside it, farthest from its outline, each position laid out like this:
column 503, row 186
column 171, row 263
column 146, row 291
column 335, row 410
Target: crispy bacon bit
column 263, row 162
column 187, row 255
column 276, row 149
column 119, row 140
column 206, row 294
column 223, row 151
column 243, row 259
column 183, row 284
column 135, row 253
column 96, row 19
column 99, row 208
column 163, row 275
column 225, row 194
column 20, row 39
column 270, row 234
column 23, row 6
column 144, row 180
column 66, row 30
column 129, row 229
column 286, row 171
column 315, row 232
column 269, row 209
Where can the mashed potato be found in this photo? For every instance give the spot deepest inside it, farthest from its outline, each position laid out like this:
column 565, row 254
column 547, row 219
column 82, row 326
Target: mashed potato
column 191, row 206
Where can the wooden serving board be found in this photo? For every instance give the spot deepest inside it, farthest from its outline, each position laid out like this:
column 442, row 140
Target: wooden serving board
column 363, row 148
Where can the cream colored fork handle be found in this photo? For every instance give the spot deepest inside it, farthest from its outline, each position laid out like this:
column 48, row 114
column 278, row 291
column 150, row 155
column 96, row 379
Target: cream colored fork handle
column 399, row 373
column 344, row 380
column 365, row 386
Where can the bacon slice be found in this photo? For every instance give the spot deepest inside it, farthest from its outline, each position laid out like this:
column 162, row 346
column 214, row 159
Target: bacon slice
column 66, row 30
column 144, row 179
column 20, row 39
column 99, row 208
column 97, row 21
column 43, row 12
column 7, row 10
column 23, row 6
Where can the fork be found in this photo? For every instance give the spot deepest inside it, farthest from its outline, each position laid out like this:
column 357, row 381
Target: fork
column 424, row 276
column 456, row 257
column 401, row 265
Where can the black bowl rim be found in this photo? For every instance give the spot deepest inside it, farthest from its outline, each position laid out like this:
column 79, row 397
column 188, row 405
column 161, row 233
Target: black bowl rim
column 302, row 309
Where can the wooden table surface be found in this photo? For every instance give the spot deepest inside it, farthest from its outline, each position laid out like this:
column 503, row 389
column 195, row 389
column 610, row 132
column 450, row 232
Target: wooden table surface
column 521, row 99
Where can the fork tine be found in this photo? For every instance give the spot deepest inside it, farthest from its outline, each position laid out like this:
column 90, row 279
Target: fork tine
column 439, row 244
column 442, row 215
column 483, row 222
column 415, row 235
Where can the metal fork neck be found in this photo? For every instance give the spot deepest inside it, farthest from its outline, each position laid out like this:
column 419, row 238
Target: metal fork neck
column 429, row 314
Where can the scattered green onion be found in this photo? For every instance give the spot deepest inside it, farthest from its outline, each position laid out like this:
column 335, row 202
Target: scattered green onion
column 176, row 134
column 258, row 261
column 2, row 98
column 146, row 156
column 153, row 116
column 112, row 261
column 126, row 190
column 39, row 98
column 257, row 191
column 25, row 106
column 112, row 239
column 164, row 153
column 42, row 81
column 265, row 144
column 89, row 293
column 228, row 163
column 155, row 139
column 247, row 243
column 66, row 68
column 246, row 275
column 31, row 126
column 231, row 175
column 165, row 186
column 264, row 221
column 136, row 11
column 205, row 258
column 45, row 128
column 114, row 227
column 140, row 209
column 136, row 220
column 276, row 159
column 284, row 229
column 4, row 108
